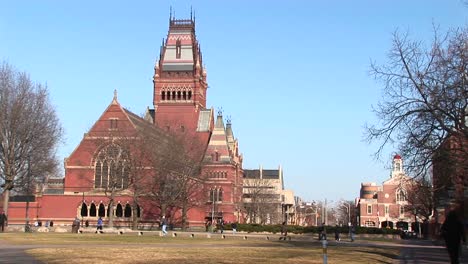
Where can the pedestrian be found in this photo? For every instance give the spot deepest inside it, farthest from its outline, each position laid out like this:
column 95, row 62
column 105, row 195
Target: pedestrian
column 221, row 225
column 351, row 232
column 3, row 220
column 164, row 225
column 86, row 223
column 99, row 225
column 76, row 225
column 284, row 230
column 337, row 233
column 47, row 223
column 453, row 233
column 234, row 227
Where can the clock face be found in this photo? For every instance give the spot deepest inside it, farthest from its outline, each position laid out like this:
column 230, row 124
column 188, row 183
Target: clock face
column 386, row 195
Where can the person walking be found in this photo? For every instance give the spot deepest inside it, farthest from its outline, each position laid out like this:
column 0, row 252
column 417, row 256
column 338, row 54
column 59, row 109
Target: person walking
column 99, row 225
column 352, row 230
column 164, row 225
column 284, row 230
column 3, row 220
column 337, row 233
column 453, row 233
column 234, row 227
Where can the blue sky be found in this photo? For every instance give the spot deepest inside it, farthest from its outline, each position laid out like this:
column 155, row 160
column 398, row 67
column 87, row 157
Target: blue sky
column 293, row 75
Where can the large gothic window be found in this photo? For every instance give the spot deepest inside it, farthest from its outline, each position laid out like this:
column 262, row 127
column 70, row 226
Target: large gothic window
column 111, row 169
column 400, row 195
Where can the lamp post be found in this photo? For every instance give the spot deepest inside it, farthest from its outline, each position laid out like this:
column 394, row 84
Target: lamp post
column 348, row 208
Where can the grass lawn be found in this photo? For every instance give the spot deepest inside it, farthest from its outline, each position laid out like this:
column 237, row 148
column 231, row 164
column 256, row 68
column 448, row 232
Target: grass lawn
column 129, row 248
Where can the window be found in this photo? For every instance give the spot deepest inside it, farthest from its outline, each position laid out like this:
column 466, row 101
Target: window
column 128, row 211
column 369, row 223
column 119, row 211
column 400, row 195
column 111, row 170
column 217, row 156
column 216, row 195
column 178, row 49
column 84, row 210
column 369, row 209
column 402, row 210
column 113, row 123
column 386, row 210
column 92, row 210
column 163, row 95
column 102, row 210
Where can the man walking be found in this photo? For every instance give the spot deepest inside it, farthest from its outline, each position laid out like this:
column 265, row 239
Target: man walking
column 164, row 225
column 3, row 220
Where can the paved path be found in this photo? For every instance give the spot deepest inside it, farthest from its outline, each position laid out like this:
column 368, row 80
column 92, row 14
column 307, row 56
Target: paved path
column 16, row 254
column 427, row 252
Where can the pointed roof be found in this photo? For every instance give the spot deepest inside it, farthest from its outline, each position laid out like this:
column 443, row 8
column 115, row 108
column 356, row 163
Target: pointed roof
column 218, row 150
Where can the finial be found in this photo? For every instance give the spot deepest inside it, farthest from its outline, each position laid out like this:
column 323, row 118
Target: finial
column 228, row 120
column 220, row 111
column 114, row 101
column 170, row 13
column 191, row 12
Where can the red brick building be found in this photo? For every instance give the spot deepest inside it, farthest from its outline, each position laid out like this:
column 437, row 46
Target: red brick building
column 384, row 205
column 179, row 100
column 449, row 178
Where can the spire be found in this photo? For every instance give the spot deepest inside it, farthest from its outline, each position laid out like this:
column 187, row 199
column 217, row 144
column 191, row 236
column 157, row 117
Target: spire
column 219, row 120
column 114, row 100
column 229, row 134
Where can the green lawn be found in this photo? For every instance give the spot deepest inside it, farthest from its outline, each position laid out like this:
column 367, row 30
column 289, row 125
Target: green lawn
column 130, row 248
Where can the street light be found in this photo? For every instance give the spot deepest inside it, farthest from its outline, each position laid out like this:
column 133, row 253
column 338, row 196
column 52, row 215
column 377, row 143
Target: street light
column 348, row 208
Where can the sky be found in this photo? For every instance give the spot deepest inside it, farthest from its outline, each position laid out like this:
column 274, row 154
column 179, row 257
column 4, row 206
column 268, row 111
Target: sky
column 292, row 75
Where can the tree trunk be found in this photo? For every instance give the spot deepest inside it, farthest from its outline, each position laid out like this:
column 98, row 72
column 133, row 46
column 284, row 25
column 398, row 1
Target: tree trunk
column 6, row 200
column 135, row 215
column 184, row 215
column 111, row 211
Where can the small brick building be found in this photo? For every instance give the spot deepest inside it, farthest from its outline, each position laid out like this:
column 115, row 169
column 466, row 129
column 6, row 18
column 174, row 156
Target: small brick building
column 383, row 205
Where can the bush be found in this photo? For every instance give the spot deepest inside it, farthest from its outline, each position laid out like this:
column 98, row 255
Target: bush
column 295, row 229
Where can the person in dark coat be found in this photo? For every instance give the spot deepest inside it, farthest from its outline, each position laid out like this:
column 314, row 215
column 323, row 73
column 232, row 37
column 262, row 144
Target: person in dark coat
column 337, row 233
column 453, row 233
column 3, row 220
column 284, row 230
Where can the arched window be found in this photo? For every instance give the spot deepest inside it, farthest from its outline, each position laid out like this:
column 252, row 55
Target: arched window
column 92, row 210
column 184, row 95
column 128, row 210
column 179, row 95
column 119, row 211
column 163, row 95
column 190, row 95
column 138, row 211
column 102, row 210
column 111, row 170
column 173, row 95
column 400, row 195
column 220, row 195
column 84, row 210
column 110, row 211
column 178, row 49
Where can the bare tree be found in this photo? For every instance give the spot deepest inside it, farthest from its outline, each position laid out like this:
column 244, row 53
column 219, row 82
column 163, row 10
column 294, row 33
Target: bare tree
column 176, row 179
column 29, row 132
column 425, row 97
column 261, row 203
column 419, row 196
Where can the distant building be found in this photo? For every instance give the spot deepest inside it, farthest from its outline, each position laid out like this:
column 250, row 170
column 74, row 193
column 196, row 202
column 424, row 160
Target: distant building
column 264, row 198
column 384, row 205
